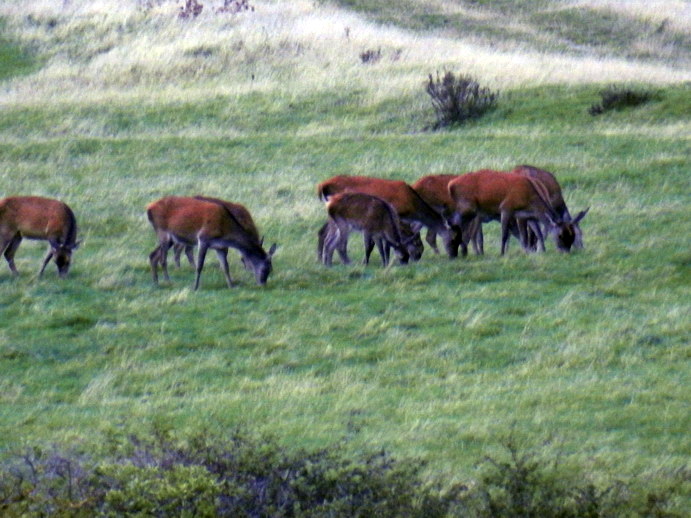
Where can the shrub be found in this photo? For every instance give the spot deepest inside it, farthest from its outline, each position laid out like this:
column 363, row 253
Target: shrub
column 191, row 9
column 207, row 476
column 617, row 98
column 370, row 56
column 458, row 99
column 235, row 6
column 241, row 476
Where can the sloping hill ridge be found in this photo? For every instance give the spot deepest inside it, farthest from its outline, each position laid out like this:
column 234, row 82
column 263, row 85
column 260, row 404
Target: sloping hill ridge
column 636, row 29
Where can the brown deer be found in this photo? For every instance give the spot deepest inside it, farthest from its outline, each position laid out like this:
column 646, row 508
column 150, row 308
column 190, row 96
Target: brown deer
column 372, row 216
column 491, row 194
column 34, row 217
column 411, row 239
column 209, row 225
column 240, row 213
column 411, row 208
column 434, row 190
column 556, row 199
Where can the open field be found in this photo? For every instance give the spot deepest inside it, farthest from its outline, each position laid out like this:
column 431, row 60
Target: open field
column 438, row 360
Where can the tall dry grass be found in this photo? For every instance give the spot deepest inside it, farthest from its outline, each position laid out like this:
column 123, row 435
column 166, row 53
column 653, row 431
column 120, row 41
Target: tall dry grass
column 108, row 49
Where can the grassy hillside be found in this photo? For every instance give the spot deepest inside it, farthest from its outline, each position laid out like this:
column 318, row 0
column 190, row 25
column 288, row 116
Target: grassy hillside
column 438, row 360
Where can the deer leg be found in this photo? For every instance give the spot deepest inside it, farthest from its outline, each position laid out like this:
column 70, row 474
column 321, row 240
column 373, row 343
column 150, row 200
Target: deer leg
column 190, row 255
column 46, row 260
column 431, row 239
column 535, row 228
column 343, row 242
column 177, row 252
column 506, row 218
column 10, row 250
column 369, row 246
column 330, row 242
column 321, row 237
column 203, row 247
column 163, row 257
column 384, row 251
column 475, row 236
column 223, row 260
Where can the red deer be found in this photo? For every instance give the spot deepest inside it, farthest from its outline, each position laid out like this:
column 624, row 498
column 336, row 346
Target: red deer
column 33, row 217
column 373, row 216
column 555, row 197
column 434, row 190
column 411, row 239
column 241, row 214
column 411, row 208
column 491, row 194
column 210, row 225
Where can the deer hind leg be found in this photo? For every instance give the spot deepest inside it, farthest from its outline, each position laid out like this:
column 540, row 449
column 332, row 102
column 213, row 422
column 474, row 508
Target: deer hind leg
column 321, row 238
column 330, row 243
column 479, row 239
column 506, row 218
column 431, row 239
column 342, row 242
column 369, row 246
column 223, row 260
column 203, row 247
column 10, row 248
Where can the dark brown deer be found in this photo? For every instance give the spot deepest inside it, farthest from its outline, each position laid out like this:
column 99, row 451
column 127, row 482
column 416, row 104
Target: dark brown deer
column 411, row 208
column 491, row 194
column 372, row 216
column 411, row 239
column 210, row 225
column 34, row 217
column 556, row 199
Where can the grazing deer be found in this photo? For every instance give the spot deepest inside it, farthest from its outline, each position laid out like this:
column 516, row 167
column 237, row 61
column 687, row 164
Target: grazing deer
column 434, row 190
column 33, row 217
column 555, row 197
column 210, row 225
column 411, row 208
column 411, row 239
column 492, row 194
column 240, row 213
column 372, row 216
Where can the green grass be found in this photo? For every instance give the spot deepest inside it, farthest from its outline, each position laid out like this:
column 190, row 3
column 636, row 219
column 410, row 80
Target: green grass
column 13, row 59
column 439, row 359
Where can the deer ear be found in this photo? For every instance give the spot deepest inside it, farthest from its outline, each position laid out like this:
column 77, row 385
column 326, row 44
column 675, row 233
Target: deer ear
column 272, row 249
column 580, row 216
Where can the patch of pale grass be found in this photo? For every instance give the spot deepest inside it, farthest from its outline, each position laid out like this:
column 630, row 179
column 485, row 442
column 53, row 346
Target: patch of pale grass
column 290, row 47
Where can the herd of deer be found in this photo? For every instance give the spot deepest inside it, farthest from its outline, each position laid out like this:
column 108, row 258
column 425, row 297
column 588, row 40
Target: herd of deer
column 527, row 201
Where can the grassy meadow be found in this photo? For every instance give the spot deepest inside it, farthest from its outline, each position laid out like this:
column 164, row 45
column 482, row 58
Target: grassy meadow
column 110, row 105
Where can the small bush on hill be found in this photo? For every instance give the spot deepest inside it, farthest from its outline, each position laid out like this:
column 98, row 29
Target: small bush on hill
column 457, row 99
column 617, row 98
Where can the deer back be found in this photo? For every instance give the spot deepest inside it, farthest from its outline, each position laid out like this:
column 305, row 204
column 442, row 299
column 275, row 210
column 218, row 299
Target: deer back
column 407, row 203
column 550, row 182
column 35, row 217
column 434, row 190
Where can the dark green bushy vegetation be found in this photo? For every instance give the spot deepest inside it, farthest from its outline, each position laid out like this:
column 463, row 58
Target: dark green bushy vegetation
column 246, row 476
column 457, row 99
